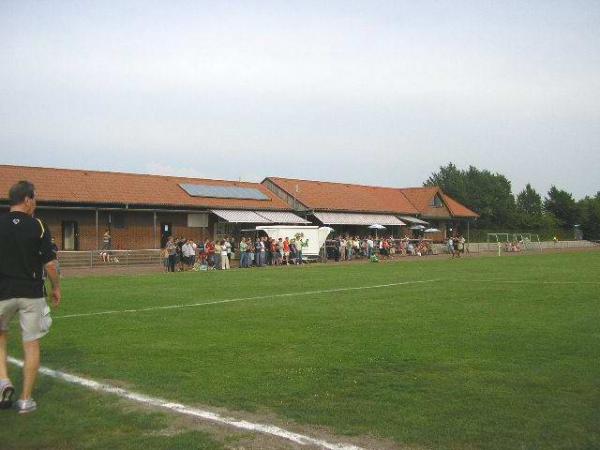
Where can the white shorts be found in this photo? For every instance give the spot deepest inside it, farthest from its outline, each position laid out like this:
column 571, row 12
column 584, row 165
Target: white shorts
column 34, row 315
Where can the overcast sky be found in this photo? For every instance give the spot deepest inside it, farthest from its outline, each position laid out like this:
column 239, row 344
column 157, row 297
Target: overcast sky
column 372, row 92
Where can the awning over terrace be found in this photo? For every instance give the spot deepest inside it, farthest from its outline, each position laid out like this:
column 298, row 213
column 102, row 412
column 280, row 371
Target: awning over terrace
column 414, row 220
column 335, row 218
column 269, row 217
column 282, row 217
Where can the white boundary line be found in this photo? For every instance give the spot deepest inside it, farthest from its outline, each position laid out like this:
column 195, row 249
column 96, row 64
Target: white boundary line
column 241, row 299
column 189, row 411
column 531, row 282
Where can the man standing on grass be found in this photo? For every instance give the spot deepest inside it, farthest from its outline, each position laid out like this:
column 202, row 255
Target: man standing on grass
column 26, row 249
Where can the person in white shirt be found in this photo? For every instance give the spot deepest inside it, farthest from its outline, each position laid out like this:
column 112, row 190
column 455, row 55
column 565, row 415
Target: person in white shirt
column 189, row 254
column 450, row 244
column 342, row 249
column 224, row 256
column 369, row 247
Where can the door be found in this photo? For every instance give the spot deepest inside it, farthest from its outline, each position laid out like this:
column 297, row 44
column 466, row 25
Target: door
column 166, row 229
column 70, row 234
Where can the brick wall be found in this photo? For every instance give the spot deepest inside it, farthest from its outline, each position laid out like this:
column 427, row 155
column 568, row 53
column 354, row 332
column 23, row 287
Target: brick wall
column 137, row 231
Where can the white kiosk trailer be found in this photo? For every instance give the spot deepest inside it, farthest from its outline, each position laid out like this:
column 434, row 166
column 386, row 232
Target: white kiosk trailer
column 313, row 237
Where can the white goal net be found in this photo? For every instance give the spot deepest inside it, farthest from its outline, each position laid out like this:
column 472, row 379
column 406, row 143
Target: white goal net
column 513, row 242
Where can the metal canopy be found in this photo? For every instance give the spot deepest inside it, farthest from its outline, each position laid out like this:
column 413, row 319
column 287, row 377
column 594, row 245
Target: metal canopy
column 239, row 216
column 281, row 217
column 335, row 218
column 414, row 220
column 270, row 217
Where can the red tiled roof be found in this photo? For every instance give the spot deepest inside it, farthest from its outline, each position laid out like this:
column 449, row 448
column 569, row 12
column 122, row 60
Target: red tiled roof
column 457, row 209
column 87, row 186
column 422, row 199
column 326, row 196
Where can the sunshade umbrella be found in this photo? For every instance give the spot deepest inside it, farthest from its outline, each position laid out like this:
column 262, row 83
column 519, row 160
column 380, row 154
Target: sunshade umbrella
column 417, row 227
column 432, row 230
column 376, row 227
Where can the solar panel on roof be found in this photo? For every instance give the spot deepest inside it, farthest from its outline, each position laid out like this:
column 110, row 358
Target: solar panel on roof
column 205, row 190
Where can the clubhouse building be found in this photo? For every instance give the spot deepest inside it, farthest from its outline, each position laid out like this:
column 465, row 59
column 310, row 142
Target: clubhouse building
column 141, row 211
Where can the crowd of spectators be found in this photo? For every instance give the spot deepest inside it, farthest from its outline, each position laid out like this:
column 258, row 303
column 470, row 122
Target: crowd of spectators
column 181, row 254
column 347, row 248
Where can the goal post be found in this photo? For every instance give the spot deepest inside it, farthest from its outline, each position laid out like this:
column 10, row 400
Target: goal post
column 513, row 242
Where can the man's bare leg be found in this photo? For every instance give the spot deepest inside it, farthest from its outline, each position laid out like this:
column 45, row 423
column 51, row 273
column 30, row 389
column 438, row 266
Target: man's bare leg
column 3, row 354
column 31, row 367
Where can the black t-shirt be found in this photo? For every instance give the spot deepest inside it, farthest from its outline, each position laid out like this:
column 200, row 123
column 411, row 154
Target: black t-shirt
column 25, row 247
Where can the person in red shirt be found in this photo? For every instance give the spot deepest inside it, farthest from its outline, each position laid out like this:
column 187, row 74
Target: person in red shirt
column 286, row 251
column 210, row 252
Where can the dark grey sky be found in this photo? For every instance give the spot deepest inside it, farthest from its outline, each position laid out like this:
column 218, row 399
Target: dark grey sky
column 372, row 92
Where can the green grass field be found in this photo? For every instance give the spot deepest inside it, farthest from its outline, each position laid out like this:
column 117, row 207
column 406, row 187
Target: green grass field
column 491, row 353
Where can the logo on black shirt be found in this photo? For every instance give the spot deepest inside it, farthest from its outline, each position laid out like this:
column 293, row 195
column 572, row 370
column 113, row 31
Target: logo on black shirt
column 16, row 221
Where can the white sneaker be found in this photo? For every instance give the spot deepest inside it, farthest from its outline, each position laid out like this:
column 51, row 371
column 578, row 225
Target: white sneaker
column 26, row 406
column 7, row 390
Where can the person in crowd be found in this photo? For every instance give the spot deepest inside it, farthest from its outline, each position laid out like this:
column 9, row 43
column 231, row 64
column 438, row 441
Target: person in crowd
column 367, row 246
column 286, row 251
column 210, row 253
column 402, row 247
column 272, row 246
column 195, row 252
column 299, row 245
column 251, row 252
column 164, row 256
column 349, row 248
column 106, row 246
column 279, row 250
column 258, row 252
column 450, row 246
column 217, row 255
column 229, row 247
column 263, row 251
column 269, row 251
column 171, row 249
column 293, row 251
column 461, row 244
column 381, row 249
column 200, row 255
column 55, row 250
column 386, row 248
column 179, row 252
column 224, row 256
column 342, row 246
column 455, row 245
column 356, row 246
column 188, row 254
column 243, row 253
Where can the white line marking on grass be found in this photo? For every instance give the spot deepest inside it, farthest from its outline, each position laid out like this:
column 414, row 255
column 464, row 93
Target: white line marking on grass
column 188, row 410
column 532, row 282
column 241, row 299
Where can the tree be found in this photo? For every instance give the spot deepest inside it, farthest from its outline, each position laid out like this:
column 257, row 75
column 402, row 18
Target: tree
column 562, row 205
column 529, row 201
column 488, row 194
column 451, row 180
column 589, row 210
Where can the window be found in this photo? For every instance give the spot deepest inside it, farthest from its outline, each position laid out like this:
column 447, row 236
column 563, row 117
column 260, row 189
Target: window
column 225, row 229
column 437, row 202
column 118, row 220
column 197, row 220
